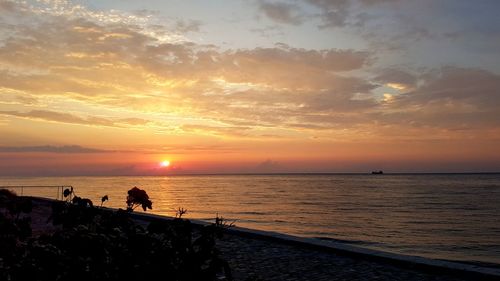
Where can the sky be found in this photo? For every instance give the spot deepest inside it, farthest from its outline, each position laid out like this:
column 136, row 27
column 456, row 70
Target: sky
column 248, row 86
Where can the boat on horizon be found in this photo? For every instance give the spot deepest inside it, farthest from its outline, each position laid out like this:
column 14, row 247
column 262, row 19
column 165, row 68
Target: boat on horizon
column 377, row 172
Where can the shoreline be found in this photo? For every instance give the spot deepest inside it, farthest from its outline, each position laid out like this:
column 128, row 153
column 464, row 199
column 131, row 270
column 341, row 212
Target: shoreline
column 271, row 239
column 351, row 250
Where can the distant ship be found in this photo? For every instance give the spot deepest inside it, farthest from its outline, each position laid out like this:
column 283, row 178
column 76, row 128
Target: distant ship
column 377, row 172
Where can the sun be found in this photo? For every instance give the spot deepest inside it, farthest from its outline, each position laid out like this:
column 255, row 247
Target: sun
column 165, row 163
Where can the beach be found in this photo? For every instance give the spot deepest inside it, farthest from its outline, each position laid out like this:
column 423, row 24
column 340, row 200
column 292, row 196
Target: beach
column 268, row 258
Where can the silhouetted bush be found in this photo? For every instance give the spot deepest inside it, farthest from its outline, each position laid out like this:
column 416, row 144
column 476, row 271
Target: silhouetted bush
column 95, row 244
column 13, row 226
column 138, row 197
column 6, row 195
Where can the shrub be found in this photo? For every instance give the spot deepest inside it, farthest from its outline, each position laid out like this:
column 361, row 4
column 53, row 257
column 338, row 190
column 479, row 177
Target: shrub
column 13, row 225
column 138, row 197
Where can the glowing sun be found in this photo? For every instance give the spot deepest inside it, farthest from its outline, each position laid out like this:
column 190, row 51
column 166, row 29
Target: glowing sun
column 165, row 163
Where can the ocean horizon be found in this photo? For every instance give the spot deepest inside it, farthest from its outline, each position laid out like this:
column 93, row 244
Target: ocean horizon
column 449, row 216
column 247, row 174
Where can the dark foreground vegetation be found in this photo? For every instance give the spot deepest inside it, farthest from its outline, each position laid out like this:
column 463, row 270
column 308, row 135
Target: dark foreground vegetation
column 92, row 243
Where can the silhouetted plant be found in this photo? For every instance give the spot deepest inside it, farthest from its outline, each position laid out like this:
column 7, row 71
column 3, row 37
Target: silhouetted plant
column 180, row 212
column 221, row 222
column 103, row 199
column 13, row 226
column 73, row 211
column 14, row 204
column 83, row 202
column 20, row 205
column 5, row 196
column 68, row 194
column 97, row 244
column 138, row 197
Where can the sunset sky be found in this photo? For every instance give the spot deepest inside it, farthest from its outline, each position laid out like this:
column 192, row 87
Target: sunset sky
column 249, row 86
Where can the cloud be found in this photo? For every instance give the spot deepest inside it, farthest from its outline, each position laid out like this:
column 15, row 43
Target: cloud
column 283, row 55
column 51, row 149
column 8, row 6
column 281, row 12
column 375, row 2
column 333, row 13
column 450, row 98
column 119, row 68
column 395, row 77
column 327, row 13
column 475, row 87
column 189, row 149
column 67, row 9
column 216, row 130
column 74, row 119
column 122, row 67
column 184, row 26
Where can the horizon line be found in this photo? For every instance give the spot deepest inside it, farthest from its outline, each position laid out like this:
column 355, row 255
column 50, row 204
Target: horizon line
column 260, row 174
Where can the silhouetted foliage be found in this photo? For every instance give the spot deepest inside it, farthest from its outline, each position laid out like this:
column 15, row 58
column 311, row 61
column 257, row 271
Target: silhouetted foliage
column 13, row 227
column 6, row 195
column 104, row 199
column 97, row 244
column 14, row 204
column 222, row 223
column 67, row 192
column 138, row 197
column 180, row 212
column 84, row 202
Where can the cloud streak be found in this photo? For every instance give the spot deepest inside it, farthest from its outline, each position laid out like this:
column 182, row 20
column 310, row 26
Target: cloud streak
column 74, row 119
column 66, row 149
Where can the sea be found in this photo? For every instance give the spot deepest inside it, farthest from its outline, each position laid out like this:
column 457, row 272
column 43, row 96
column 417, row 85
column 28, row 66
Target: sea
column 441, row 216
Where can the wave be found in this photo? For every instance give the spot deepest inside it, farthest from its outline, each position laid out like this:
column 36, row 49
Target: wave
column 345, row 241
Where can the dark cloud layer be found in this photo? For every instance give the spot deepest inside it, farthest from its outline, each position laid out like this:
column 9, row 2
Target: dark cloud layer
column 282, row 12
column 331, row 13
